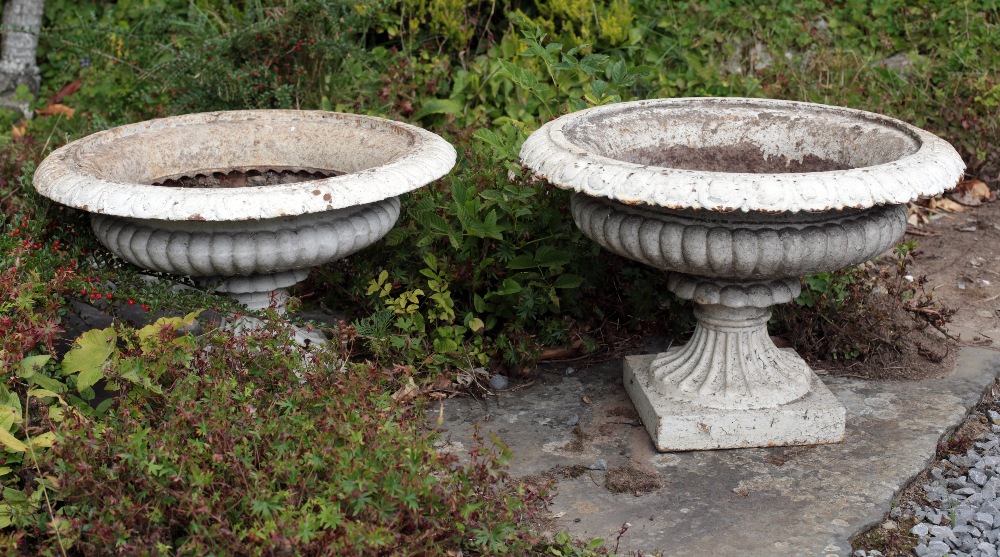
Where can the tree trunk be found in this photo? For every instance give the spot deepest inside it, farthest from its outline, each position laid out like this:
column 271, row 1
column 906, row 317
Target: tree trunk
column 22, row 21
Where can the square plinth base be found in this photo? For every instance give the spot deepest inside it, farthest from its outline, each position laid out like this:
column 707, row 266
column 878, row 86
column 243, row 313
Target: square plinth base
column 816, row 418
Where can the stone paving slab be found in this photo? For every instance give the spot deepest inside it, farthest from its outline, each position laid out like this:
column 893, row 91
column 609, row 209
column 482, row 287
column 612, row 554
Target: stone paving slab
column 783, row 501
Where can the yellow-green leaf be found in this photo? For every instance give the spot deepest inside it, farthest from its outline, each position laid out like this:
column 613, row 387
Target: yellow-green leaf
column 9, row 416
column 88, row 358
column 31, row 362
column 44, row 440
column 41, row 393
column 476, row 324
column 152, row 331
column 56, row 413
column 12, row 443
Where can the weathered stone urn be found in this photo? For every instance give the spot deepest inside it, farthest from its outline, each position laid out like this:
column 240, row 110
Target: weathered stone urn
column 245, row 202
column 738, row 198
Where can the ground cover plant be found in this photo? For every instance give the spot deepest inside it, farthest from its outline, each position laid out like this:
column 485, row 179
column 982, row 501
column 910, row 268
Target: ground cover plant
column 123, row 440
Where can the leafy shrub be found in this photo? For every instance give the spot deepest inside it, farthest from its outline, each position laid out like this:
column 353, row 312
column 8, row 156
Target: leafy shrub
column 206, row 55
column 251, row 447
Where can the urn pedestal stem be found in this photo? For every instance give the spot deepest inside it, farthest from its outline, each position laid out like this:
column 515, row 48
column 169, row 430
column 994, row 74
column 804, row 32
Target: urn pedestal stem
column 731, row 362
column 729, row 386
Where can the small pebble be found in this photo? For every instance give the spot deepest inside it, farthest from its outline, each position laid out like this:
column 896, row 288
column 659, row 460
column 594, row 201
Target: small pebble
column 573, row 420
column 499, row 382
column 599, row 465
column 986, row 519
column 978, row 476
column 938, row 548
column 570, row 371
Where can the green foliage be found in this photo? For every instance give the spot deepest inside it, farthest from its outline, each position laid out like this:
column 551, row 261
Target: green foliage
column 135, row 63
column 249, row 446
column 587, row 21
column 503, row 263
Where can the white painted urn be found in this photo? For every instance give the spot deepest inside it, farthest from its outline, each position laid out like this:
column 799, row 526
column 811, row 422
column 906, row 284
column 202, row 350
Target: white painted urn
column 245, row 202
column 738, row 198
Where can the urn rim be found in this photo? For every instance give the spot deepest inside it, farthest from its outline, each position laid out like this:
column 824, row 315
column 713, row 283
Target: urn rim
column 589, row 152
column 112, row 172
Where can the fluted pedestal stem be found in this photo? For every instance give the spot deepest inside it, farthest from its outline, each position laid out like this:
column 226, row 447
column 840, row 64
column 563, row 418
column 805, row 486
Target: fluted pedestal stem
column 731, row 362
column 730, row 386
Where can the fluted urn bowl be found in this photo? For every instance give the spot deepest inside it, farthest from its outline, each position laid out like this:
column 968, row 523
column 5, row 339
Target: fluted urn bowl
column 738, row 198
column 244, row 201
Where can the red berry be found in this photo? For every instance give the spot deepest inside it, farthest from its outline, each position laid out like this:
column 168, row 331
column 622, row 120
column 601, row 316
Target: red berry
column 131, row 302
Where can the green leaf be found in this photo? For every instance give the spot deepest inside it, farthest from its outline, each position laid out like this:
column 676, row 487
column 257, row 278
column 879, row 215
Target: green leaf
column 432, row 221
column 31, row 364
column 591, row 63
column 431, row 261
column 521, row 77
column 395, row 236
column 88, row 358
column 568, row 281
column 460, row 193
column 618, row 72
column 548, row 256
column 492, row 229
column 479, row 303
column 46, row 382
column 507, row 287
column 14, row 496
column 489, row 137
column 521, row 262
column 439, row 106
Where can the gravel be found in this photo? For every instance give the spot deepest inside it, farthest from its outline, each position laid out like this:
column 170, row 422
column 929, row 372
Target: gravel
column 962, row 517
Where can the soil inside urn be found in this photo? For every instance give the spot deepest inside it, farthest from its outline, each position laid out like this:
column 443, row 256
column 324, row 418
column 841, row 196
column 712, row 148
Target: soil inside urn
column 740, row 157
column 244, row 178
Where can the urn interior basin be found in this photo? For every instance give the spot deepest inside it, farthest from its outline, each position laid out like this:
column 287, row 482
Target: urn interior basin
column 244, row 201
column 737, row 198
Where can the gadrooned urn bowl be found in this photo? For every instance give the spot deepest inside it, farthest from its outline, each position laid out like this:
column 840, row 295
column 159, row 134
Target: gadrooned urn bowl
column 244, row 201
column 738, row 198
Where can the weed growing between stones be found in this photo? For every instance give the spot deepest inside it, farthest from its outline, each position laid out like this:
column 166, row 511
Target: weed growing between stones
column 861, row 312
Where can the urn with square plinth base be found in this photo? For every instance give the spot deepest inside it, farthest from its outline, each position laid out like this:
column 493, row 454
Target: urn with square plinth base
column 817, row 417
